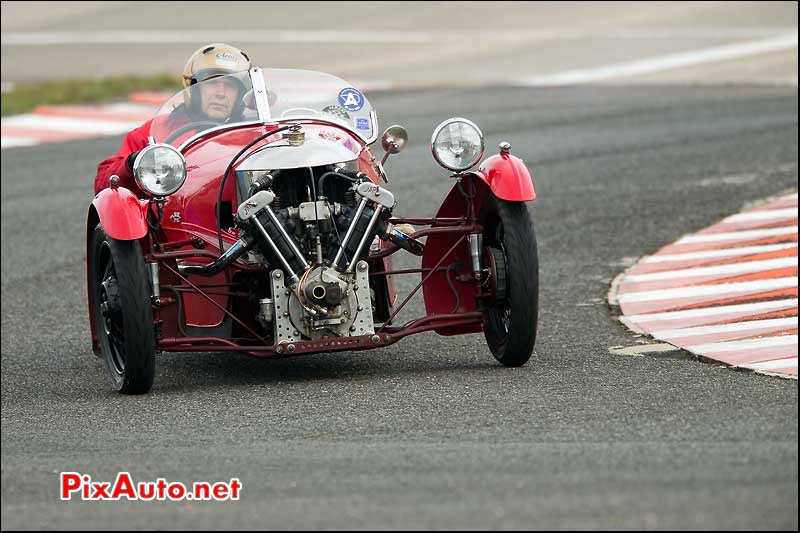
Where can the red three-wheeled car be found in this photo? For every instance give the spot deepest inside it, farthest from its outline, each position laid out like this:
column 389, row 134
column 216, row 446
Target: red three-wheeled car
column 271, row 234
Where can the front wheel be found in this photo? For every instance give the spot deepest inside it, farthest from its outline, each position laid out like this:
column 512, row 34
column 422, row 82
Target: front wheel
column 511, row 254
column 122, row 312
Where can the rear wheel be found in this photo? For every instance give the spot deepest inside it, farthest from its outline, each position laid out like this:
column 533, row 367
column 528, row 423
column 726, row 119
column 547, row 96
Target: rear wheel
column 511, row 254
column 122, row 312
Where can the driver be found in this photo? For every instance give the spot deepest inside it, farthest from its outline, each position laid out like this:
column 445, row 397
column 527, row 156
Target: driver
column 216, row 101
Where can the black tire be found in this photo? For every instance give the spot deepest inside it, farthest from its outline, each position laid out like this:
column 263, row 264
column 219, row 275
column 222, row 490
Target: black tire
column 510, row 247
column 122, row 312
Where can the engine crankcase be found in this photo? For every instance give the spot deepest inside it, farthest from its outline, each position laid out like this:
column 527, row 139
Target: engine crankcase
column 351, row 317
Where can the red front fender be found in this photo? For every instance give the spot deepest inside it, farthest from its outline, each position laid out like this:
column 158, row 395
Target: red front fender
column 507, row 177
column 122, row 216
column 121, row 213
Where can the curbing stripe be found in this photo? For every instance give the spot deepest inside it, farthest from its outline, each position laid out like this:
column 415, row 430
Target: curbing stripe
column 781, row 323
column 76, row 125
column 777, row 364
column 714, row 254
column 66, row 123
column 710, row 291
column 724, row 271
column 739, row 235
column 10, row 141
column 748, row 345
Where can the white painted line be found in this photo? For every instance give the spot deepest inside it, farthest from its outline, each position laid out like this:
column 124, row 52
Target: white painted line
column 790, row 362
column 730, row 269
column 707, row 32
column 642, row 349
column 790, row 197
column 786, row 323
column 738, row 235
column 127, row 107
column 668, row 62
column 710, row 290
column 755, row 308
column 79, row 125
column 49, row 38
column 44, row 38
column 740, row 346
column 770, row 214
column 10, row 142
column 713, row 254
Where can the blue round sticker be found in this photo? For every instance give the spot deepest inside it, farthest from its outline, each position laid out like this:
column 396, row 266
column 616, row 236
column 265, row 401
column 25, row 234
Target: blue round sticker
column 351, row 99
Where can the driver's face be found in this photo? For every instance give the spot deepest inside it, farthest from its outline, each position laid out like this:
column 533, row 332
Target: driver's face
column 218, row 97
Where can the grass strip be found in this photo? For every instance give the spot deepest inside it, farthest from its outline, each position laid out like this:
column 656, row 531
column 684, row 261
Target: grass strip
column 23, row 98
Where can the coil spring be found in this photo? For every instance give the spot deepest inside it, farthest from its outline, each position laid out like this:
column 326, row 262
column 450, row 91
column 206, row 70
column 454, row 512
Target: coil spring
column 276, row 203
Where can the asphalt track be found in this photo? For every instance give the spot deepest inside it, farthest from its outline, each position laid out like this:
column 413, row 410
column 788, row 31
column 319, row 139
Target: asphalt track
column 430, row 433
column 420, row 44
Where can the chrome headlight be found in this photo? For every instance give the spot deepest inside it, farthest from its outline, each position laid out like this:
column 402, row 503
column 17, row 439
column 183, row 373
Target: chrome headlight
column 159, row 169
column 457, row 144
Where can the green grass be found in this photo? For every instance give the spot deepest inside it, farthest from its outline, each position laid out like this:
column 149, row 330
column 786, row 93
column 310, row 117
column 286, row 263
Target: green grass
column 23, row 98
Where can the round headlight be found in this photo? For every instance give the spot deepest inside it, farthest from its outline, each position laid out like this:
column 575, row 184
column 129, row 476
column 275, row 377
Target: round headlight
column 457, row 144
column 159, row 169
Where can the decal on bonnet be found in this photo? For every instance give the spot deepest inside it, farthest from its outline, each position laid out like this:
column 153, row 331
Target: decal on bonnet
column 329, row 136
column 351, row 99
column 362, row 123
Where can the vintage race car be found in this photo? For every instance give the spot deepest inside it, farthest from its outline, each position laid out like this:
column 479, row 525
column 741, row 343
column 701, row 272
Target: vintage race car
column 272, row 234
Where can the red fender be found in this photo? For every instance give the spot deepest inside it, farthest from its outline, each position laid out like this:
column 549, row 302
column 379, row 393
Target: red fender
column 507, row 177
column 122, row 216
column 439, row 297
column 121, row 213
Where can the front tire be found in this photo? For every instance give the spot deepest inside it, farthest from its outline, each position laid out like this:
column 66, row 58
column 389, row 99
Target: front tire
column 122, row 312
column 510, row 249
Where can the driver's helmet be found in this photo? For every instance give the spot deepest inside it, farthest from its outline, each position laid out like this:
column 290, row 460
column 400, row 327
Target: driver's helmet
column 212, row 61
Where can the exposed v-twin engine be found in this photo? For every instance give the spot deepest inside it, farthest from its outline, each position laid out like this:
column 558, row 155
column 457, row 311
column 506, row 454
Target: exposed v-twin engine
column 320, row 282
column 314, row 251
